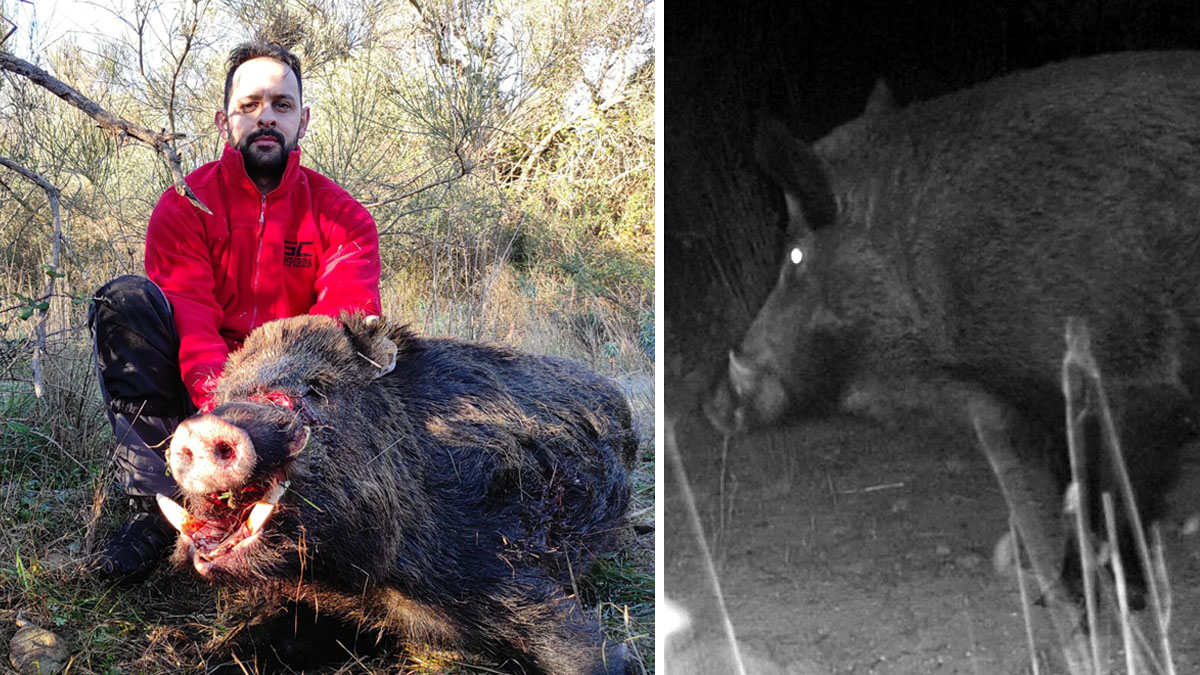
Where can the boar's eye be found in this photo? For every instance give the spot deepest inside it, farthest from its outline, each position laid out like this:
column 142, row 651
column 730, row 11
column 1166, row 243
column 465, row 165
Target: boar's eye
column 796, row 255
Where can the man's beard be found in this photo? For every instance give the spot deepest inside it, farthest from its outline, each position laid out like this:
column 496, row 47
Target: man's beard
column 269, row 162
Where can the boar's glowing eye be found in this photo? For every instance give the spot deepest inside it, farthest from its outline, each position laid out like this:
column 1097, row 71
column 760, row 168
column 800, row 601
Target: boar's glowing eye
column 796, row 256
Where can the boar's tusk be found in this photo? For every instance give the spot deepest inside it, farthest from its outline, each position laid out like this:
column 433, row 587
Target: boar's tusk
column 173, row 512
column 741, row 375
column 263, row 508
column 276, row 492
column 258, row 516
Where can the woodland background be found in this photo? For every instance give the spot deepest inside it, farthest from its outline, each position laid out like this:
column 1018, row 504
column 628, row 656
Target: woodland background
column 505, row 149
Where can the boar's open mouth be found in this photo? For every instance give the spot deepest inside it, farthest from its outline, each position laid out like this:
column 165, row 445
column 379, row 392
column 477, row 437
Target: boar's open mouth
column 226, row 522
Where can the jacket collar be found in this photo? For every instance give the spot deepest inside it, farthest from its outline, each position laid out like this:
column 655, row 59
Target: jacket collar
column 234, row 165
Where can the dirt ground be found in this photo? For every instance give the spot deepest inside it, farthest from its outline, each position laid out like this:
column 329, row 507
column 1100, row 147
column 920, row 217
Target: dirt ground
column 844, row 547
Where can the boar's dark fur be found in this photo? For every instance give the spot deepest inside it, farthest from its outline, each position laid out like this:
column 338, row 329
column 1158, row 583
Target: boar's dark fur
column 445, row 502
column 935, row 253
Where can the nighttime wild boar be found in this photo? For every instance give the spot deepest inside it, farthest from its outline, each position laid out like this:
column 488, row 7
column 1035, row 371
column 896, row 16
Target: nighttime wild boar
column 435, row 490
column 934, row 254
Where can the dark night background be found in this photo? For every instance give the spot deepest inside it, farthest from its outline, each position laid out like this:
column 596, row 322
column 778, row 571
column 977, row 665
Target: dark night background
column 814, row 64
column 818, row 574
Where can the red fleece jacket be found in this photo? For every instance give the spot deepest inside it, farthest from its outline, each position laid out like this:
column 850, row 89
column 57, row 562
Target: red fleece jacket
column 307, row 247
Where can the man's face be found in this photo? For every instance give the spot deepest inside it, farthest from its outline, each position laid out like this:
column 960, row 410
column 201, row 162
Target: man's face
column 264, row 119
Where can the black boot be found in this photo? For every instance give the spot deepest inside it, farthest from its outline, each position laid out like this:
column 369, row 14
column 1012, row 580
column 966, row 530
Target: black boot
column 136, row 548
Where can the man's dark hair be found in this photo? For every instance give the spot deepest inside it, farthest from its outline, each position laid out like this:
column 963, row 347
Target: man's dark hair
column 257, row 49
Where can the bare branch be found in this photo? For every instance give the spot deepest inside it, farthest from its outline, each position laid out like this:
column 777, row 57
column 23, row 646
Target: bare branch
column 10, row 30
column 31, row 176
column 548, row 138
column 437, row 31
column 55, row 253
column 410, row 193
column 119, row 127
column 11, row 23
column 464, row 168
column 143, row 16
column 536, row 153
column 189, row 35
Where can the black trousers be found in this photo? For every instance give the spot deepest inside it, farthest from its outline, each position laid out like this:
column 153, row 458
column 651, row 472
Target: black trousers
column 136, row 348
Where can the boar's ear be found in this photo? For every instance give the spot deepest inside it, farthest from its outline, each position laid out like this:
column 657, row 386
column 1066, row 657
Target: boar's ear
column 799, row 172
column 880, row 102
column 371, row 337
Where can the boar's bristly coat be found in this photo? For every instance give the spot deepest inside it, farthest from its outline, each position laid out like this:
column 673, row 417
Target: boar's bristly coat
column 935, row 254
column 438, row 490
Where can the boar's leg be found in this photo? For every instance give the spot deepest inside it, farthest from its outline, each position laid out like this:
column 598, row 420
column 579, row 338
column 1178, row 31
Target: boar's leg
column 295, row 636
column 1012, row 444
column 525, row 621
column 549, row 633
column 1034, row 512
column 1127, row 446
column 1154, row 422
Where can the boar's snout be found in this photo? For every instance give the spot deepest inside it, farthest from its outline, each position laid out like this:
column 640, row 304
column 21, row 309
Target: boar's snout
column 209, row 454
column 746, row 391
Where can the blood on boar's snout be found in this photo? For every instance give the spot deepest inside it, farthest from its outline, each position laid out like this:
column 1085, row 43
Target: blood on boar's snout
column 949, row 242
column 430, row 488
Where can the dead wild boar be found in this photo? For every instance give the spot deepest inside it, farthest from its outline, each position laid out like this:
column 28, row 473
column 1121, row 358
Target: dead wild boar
column 935, row 253
column 429, row 488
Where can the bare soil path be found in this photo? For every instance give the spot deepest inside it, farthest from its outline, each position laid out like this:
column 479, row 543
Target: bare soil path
column 849, row 548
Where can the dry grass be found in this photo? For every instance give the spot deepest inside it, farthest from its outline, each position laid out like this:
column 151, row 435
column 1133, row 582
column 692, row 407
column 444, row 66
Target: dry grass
column 534, row 313
column 1106, row 637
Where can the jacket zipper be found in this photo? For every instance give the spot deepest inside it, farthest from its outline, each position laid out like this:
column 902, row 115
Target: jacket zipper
column 262, row 230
